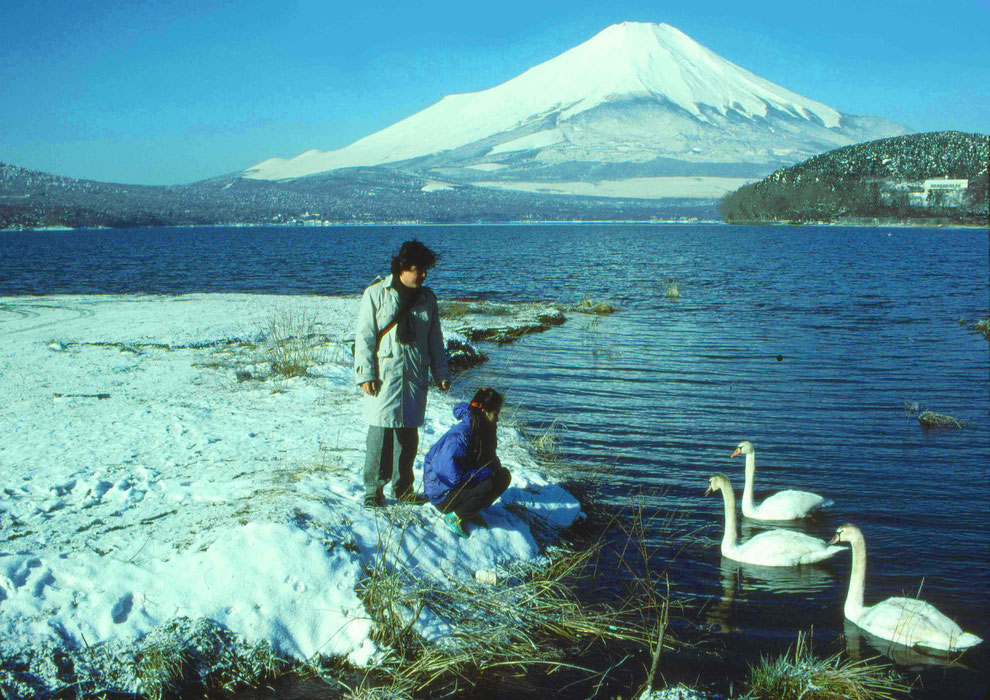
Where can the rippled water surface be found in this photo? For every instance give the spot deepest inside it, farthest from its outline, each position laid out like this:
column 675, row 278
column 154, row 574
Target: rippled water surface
column 807, row 341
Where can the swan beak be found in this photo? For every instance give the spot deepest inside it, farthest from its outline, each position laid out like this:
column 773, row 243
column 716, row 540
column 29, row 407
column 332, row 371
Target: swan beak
column 708, row 490
column 735, row 453
column 834, row 540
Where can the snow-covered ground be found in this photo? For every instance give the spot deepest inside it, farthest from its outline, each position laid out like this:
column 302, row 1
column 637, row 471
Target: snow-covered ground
column 636, row 187
column 152, row 468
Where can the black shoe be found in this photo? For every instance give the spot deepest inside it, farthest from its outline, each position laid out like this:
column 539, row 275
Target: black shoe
column 376, row 501
column 411, row 498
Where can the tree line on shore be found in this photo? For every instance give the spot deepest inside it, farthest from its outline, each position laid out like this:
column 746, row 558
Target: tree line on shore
column 878, row 179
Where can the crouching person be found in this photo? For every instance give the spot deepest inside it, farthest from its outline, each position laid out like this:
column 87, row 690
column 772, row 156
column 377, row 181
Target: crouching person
column 461, row 472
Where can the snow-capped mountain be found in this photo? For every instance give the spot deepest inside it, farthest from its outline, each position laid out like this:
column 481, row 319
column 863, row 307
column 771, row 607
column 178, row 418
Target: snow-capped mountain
column 637, row 100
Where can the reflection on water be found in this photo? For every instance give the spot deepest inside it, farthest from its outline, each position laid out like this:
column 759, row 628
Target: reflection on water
column 747, row 584
column 806, row 580
column 861, row 645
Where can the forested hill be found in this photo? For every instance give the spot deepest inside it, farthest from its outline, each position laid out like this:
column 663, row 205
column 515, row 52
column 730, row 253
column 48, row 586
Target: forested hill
column 890, row 179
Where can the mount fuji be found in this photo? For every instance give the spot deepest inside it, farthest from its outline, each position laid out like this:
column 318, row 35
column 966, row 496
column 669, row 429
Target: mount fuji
column 637, row 110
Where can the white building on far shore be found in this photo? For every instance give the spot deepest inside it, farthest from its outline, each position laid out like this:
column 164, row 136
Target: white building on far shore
column 941, row 191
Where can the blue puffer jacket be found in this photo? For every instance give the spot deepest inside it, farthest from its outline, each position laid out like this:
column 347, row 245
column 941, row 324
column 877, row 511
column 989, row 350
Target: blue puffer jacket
column 447, row 466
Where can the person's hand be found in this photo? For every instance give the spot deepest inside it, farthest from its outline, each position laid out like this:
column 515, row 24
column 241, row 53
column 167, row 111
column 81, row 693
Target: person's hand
column 444, row 385
column 371, row 388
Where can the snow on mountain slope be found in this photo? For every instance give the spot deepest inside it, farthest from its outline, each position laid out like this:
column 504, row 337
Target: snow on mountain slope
column 632, row 93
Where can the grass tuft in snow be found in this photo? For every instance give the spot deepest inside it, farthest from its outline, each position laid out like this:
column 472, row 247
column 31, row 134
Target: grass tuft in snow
column 801, row 675
column 292, row 343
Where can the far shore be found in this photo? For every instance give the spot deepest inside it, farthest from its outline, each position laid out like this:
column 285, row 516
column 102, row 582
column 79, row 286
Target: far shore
column 852, row 223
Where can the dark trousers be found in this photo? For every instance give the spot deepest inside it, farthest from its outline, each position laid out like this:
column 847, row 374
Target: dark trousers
column 468, row 501
column 390, row 456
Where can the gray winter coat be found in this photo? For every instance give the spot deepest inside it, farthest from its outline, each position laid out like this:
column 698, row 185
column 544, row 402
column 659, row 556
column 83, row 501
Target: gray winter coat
column 404, row 370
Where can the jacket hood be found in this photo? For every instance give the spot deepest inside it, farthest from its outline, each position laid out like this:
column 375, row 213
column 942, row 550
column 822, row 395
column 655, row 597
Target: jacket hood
column 462, row 411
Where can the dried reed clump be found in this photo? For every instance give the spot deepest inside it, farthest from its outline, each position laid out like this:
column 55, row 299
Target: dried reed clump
column 931, row 419
column 983, row 327
column 545, row 442
column 292, row 343
column 802, row 676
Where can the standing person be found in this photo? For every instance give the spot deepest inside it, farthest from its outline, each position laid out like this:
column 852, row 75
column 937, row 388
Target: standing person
column 461, row 472
column 398, row 342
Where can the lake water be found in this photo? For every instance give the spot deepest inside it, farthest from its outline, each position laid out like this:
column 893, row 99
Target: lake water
column 807, row 341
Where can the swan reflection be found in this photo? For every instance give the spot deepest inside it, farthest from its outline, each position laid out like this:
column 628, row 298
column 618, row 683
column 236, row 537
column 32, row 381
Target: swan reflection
column 861, row 646
column 740, row 580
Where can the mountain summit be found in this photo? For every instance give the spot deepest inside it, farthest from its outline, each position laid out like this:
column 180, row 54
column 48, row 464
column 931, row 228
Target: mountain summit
column 637, row 100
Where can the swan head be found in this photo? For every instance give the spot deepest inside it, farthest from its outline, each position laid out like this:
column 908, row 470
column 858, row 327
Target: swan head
column 743, row 448
column 718, row 482
column 846, row 533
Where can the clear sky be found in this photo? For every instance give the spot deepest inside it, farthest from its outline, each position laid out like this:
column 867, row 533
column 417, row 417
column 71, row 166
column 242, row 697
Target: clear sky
column 168, row 92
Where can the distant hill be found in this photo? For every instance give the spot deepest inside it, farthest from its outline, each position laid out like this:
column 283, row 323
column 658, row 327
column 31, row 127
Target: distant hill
column 31, row 199
column 915, row 177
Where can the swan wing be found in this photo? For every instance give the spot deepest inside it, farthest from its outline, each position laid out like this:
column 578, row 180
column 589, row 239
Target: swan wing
column 914, row 622
column 788, row 505
column 781, row 548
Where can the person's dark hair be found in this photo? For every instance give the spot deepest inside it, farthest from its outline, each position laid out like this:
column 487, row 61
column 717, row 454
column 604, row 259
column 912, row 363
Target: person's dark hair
column 483, row 439
column 413, row 254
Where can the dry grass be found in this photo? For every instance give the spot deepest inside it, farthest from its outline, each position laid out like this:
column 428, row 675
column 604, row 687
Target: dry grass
column 802, row 676
column 531, row 619
column 292, row 343
column 546, row 441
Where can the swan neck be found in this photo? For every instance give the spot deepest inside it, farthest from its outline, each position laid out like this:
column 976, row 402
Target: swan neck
column 747, row 497
column 729, row 500
column 857, row 579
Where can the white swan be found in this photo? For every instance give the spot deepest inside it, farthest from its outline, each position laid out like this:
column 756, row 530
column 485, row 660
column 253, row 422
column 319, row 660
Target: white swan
column 771, row 548
column 906, row 621
column 783, row 505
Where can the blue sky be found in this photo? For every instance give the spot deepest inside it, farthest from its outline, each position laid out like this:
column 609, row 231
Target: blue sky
column 172, row 92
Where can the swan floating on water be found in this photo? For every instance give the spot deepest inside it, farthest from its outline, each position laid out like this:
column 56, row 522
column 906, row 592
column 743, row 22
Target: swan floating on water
column 783, row 505
column 771, row 548
column 906, row 621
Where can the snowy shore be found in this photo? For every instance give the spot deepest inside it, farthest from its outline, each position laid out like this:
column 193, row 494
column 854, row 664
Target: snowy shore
column 152, row 468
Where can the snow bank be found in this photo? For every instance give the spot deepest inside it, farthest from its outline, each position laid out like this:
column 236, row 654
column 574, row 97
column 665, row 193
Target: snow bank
column 151, row 468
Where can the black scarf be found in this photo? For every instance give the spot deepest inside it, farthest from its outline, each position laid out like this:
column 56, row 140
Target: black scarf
column 408, row 296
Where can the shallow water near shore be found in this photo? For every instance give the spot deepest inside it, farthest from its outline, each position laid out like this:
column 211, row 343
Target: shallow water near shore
column 808, row 341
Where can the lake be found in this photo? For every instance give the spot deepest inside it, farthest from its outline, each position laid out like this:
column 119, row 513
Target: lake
column 817, row 344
